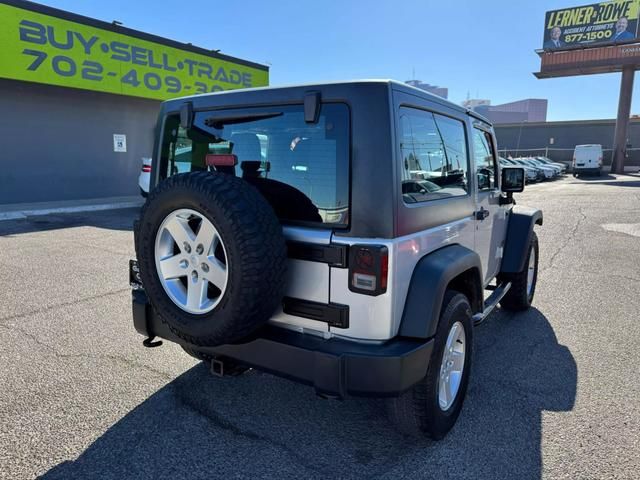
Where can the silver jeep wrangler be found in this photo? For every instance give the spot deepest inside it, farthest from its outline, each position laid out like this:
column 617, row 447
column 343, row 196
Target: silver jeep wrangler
column 347, row 236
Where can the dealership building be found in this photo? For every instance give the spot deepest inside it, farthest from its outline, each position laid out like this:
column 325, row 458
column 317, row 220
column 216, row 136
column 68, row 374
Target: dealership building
column 557, row 140
column 80, row 99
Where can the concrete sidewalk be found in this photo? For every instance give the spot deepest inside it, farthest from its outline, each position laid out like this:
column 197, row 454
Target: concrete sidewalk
column 23, row 210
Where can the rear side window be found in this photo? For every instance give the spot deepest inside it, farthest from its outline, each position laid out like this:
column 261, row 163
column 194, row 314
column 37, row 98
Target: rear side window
column 301, row 168
column 434, row 156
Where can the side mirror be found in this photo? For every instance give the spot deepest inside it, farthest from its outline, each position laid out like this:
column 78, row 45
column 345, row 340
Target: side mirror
column 512, row 179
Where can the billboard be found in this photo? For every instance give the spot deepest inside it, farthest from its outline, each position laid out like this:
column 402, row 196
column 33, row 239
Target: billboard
column 588, row 61
column 595, row 24
column 49, row 46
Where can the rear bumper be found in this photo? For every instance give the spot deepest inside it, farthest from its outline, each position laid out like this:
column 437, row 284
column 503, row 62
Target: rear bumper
column 333, row 367
column 587, row 169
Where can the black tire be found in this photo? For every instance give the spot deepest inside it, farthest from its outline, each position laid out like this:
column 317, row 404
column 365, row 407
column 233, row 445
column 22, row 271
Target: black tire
column 417, row 411
column 255, row 250
column 575, row 175
column 518, row 298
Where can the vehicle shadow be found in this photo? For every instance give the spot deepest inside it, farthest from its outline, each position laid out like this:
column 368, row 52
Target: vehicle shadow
column 121, row 219
column 587, row 177
column 259, row 426
column 617, row 183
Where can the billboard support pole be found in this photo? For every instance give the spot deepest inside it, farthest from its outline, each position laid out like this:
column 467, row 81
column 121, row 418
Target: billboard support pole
column 622, row 121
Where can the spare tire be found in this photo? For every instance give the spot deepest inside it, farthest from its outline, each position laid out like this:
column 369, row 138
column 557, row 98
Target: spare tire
column 212, row 257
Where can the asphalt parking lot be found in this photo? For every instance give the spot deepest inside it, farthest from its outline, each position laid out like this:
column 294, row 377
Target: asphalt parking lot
column 555, row 392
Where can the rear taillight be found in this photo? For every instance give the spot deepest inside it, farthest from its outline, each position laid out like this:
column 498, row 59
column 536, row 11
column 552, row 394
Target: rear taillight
column 146, row 168
column 368, row 269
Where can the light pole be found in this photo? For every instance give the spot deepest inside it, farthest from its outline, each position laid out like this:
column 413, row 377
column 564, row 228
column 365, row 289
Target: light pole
column 520, row 135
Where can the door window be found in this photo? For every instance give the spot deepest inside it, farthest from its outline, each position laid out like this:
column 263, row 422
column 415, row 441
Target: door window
column 485, row 160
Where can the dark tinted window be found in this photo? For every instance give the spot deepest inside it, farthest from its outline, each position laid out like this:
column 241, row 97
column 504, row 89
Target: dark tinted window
column 434, row 156
column 301, row 168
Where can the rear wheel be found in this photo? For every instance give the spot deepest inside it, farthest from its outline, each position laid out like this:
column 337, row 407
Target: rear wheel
column 523, row 284
column 432, row 406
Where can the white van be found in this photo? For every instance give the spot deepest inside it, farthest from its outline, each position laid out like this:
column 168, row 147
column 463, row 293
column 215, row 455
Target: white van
column 587, row 159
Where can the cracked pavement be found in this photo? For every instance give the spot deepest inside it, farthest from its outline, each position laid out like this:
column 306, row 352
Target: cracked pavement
column 554, row 393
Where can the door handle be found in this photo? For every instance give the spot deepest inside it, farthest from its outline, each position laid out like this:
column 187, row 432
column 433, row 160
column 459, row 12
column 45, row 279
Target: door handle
column 482, row 214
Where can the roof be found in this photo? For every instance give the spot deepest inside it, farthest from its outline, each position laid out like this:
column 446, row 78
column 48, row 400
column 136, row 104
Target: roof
column 394, row 84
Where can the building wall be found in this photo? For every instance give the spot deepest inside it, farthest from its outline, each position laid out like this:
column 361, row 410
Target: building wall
column 57, row 143
column 440, row 91
column 517, row 138
column 532, row 109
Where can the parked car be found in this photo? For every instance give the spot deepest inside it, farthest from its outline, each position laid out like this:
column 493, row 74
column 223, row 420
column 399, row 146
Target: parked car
column 543, row 173
column 144, row 179
column 547, row 161
column 556, row 169
column 238, row 267
column 548, row 172
column 531, row 174
column 587, row 159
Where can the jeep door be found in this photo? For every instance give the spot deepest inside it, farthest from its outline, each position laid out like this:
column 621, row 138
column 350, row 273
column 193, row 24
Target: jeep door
column 490, row 216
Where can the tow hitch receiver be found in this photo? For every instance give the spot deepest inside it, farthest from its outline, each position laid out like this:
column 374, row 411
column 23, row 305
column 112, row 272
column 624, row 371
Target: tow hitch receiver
column 217, row 367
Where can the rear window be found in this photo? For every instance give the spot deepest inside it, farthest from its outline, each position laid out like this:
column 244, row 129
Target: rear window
column 301, row 168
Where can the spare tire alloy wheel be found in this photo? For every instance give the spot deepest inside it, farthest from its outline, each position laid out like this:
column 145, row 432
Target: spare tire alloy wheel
column 195, row 277
column 212, row 257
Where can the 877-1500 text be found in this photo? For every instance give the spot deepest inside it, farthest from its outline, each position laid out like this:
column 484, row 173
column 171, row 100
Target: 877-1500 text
column 581, row 37
column 89, row 70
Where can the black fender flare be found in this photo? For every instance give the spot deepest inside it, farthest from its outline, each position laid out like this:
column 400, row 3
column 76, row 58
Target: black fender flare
column 519, row 232
column 431, row 276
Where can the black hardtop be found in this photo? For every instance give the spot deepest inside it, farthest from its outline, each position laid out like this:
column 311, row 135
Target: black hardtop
column 289, row 93
column 374, row 175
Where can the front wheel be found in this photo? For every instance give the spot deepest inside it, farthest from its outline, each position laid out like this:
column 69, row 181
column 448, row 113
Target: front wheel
column 523, row 284
column 431, row 407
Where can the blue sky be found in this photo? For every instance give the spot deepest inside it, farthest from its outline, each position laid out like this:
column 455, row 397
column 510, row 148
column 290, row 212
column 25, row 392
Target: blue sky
column 485, row 49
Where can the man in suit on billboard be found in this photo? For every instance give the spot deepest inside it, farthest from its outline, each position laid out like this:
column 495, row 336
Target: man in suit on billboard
column 554, row 41
column 621, row 31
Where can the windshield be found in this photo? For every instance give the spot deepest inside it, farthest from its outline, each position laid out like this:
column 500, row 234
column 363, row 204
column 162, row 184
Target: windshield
column 301, row 168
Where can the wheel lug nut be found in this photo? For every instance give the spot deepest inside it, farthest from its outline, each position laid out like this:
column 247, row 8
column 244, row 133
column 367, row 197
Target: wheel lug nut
column 199, row 249
column 205, row 267
column 186, row 247
column 194, row 276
